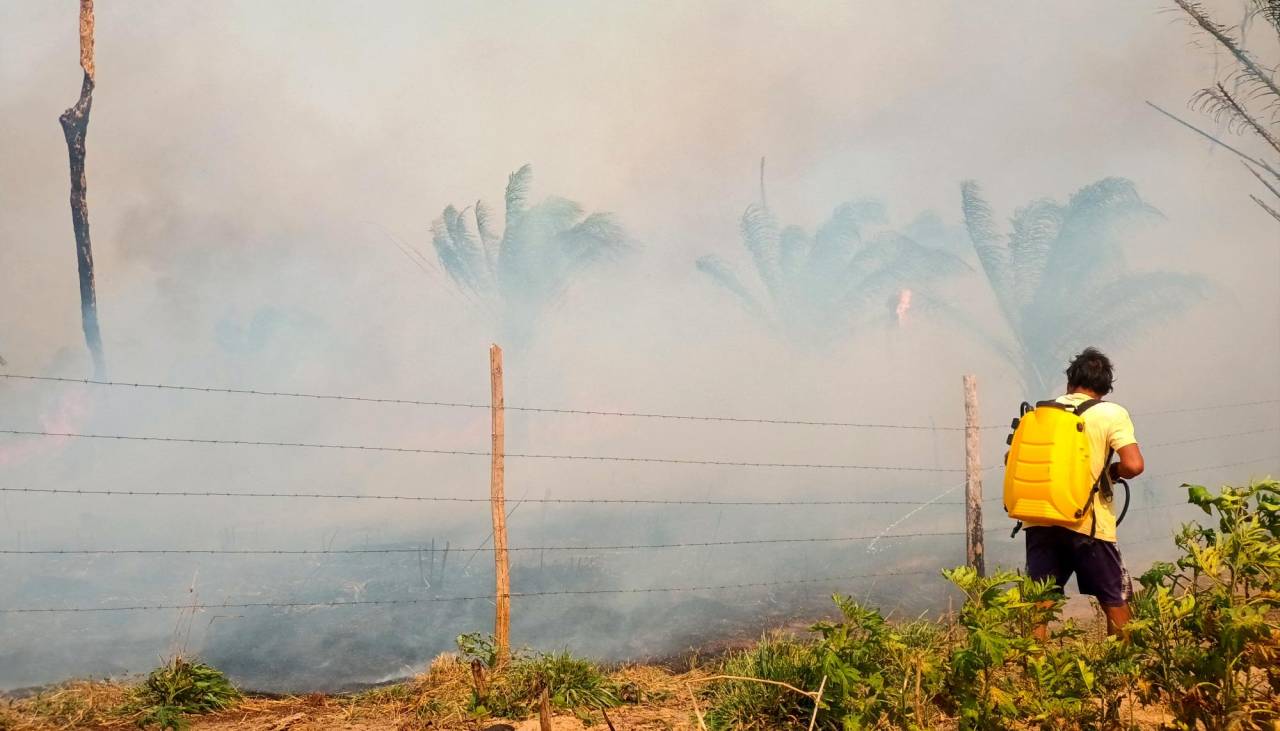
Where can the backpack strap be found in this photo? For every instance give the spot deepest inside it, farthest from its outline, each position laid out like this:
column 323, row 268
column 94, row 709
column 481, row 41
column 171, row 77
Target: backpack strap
column 1085, row 405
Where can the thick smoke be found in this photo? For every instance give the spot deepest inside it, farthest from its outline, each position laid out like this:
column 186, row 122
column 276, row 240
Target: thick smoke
column 262, row 174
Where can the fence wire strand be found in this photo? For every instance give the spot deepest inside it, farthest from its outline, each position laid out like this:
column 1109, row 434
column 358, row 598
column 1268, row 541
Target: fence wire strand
column 340, row 551
column 482, row 597
column 486, row 501
column 472, row 405
column 471, row 453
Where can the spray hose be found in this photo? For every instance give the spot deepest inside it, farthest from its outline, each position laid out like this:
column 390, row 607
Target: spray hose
column 1128, row 496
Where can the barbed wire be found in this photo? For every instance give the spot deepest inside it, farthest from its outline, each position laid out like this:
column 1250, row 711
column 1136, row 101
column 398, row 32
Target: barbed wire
column 400, row 550
column 472, row 405
column 470, row 453
column 569, row 411
column 1213, row 436
column 1216, row 466
column 485, row 500
column 483, row 597
column 1210, row 407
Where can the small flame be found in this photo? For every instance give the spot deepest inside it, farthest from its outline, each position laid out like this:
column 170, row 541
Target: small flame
column 904, row 305
column 69, row 415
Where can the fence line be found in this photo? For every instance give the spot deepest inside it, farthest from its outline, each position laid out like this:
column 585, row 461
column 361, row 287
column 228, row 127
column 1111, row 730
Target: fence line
column 615, row 547
column 1210, row 407
column 1213, row 436
column 501, row 592
column 1216, row 466
column 484, row 597
column 569, row 411
column 435, row 499
column 466, row 405
column 470, row 453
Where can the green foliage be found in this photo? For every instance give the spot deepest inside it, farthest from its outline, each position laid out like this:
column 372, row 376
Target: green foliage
column 814, row 288
column 877, row 674
column 739, row 704
column 182, row 687
column 1206, row 625
column 998, row 617
column 1204, row 643
column 475, row 646
column 1061, row 279
column 572, row 683
column 518, row 276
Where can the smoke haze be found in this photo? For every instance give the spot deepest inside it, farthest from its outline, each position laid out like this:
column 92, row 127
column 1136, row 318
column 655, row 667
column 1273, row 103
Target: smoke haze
column 256, row 170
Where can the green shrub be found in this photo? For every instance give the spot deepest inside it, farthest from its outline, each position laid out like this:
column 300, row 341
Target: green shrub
column 1205, row 626
column 998, row 617
column 182, row 687
column 737, row 704
column 572, row 683
column 873, row 673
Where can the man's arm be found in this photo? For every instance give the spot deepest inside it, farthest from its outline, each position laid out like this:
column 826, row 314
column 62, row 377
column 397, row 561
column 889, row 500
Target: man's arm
column 1131, row 463
column 1125, row 444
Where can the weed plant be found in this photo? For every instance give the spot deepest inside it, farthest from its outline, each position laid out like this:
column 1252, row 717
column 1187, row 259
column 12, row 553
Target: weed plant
column 181, row 687
column 1204, row 644
column 514, row 689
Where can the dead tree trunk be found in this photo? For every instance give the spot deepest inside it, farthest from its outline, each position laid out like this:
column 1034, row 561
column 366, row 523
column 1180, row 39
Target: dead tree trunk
column 75, row 126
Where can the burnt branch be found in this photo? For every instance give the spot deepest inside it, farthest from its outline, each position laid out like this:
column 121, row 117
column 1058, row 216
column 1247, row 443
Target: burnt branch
column 75, row 127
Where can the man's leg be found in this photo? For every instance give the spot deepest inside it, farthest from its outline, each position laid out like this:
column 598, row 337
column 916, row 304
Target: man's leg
column 1117, row 617
column 1100, row 571
column 1046, row 559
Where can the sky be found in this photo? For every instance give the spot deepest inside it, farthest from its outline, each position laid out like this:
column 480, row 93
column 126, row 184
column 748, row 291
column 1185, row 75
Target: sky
column 255, row 170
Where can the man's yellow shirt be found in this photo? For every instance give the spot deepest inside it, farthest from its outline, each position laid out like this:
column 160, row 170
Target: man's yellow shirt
column 1109, row 428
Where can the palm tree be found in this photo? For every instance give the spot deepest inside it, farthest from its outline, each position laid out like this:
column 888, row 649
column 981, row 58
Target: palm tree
column 1060, row 278
column 814, row 289
column 517, row 276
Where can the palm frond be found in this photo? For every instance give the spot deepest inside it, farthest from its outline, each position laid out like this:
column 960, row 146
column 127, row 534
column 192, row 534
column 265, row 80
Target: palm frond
column 794, row 248
column 489, row 239
column 891, row 262
column 993, row 252
column 836, row 240
column 447, row 253
column 1126, row 308
column 468, row 248
column 960, row 318
column 517, row 193
column 760, row 237
column 722, row 274
column 1274, row 213
column 1090, row 245
column 1269, row 9
column 1034, row 229
column 928, row 229
column 1224, row 108
column 1248, row 66
column 597, row 237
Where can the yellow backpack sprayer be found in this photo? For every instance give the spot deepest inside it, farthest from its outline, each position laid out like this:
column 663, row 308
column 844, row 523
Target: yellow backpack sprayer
column 1047, row 476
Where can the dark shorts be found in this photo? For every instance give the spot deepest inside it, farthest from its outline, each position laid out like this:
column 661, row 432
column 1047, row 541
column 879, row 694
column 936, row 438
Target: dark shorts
column 1056, row 552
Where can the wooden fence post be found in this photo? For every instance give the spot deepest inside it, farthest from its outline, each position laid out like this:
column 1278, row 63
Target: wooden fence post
column 497, row 501
column 974, row 550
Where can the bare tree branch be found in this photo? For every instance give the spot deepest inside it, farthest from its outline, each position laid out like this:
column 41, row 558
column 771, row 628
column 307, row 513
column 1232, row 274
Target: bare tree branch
column 75, row 127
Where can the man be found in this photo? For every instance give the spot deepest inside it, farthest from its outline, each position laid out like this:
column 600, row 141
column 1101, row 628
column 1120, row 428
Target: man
column 1088, row 549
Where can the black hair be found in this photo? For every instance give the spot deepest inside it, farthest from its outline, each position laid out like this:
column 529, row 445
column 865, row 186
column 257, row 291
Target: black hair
column 1092, row 370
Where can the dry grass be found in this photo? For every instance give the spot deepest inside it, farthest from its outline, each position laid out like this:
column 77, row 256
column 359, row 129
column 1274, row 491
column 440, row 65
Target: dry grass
column 79, row 704
column 654, row 699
